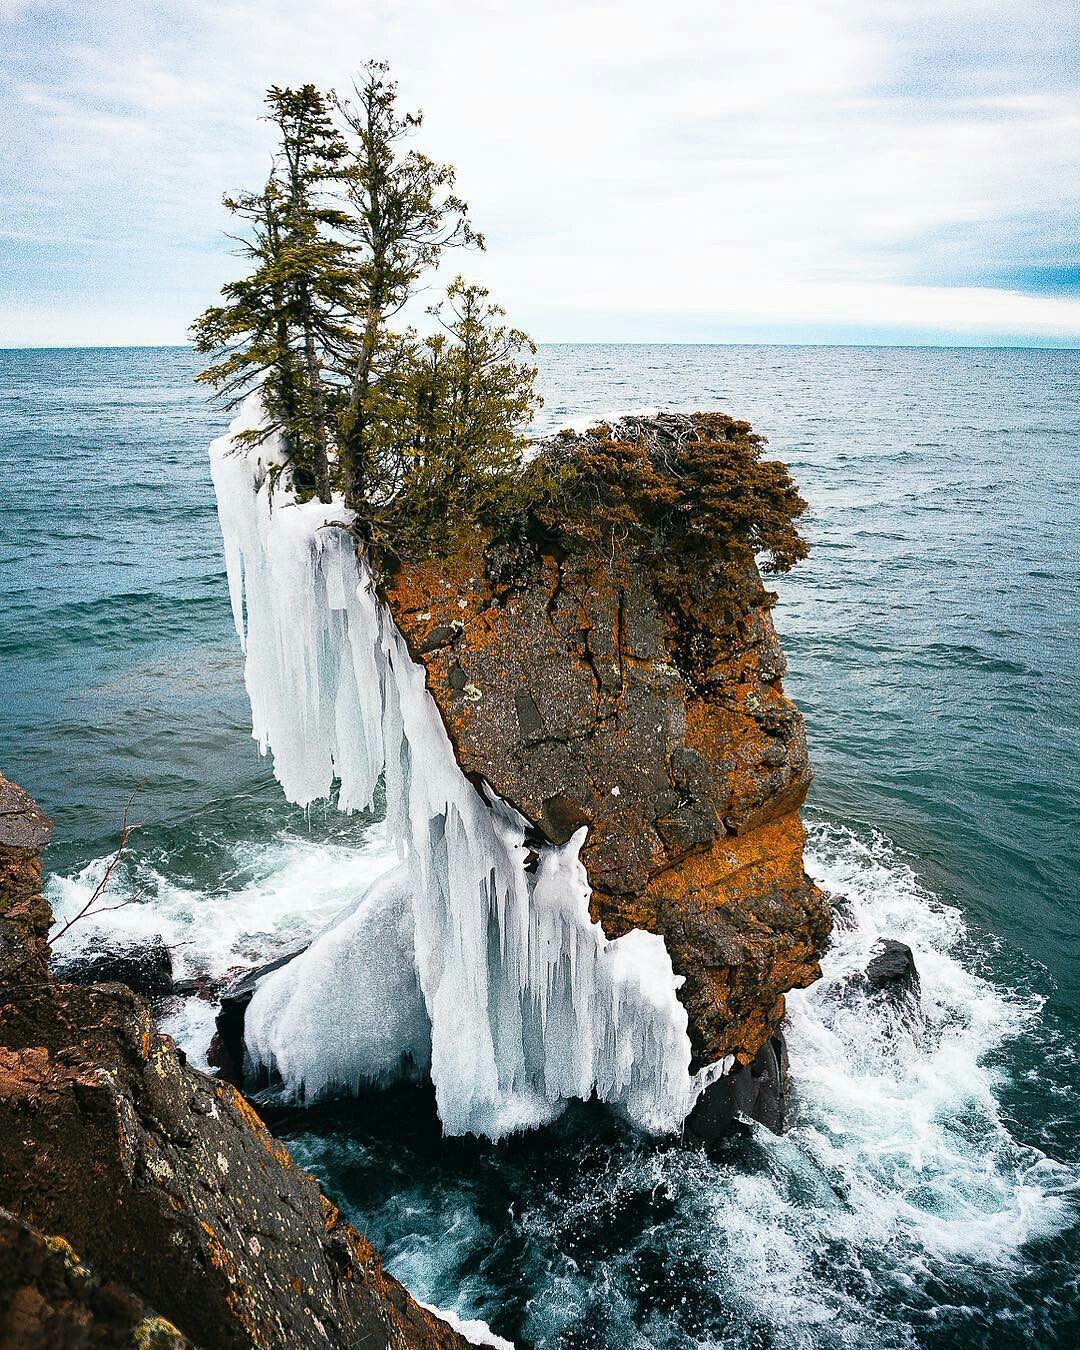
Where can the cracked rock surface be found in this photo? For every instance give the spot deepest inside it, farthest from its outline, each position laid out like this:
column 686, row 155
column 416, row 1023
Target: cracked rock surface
column 585, row 696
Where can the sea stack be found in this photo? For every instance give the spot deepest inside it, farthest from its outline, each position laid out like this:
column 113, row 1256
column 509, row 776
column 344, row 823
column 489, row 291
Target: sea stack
column 590, row 770
column 589, row 691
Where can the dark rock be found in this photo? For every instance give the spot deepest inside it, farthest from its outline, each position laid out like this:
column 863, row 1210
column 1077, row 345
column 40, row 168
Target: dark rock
column 757, row 1091
column 561, row 817
column 50, row 1299
column 843, row 912
column 891, row 972
column 203, row 986
column 528, row 714
column 444, row 635
column 688, row 827
column 165, row 1181
column 145, row 967
column 226, row 1052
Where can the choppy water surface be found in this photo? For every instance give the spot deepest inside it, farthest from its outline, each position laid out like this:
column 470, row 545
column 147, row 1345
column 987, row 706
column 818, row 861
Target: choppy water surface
column 927, row 1192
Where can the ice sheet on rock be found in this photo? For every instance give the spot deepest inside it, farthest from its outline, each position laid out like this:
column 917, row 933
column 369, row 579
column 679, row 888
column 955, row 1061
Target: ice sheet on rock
column 354, row 995
column 523, row 1003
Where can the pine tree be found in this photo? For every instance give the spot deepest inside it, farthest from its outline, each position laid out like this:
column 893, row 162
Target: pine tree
column 405, row 213
column 248, row 335
column 314, row 265
column 288, row 322
column 464, row 394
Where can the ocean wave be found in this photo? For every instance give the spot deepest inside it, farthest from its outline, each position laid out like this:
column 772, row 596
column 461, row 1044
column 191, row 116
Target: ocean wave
column 901, row 1208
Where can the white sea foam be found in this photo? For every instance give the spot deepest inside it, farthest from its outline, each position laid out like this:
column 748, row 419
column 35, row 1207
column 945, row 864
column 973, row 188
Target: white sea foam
column 899, row 1185
column 899, row 1171
column 276, row 893
column 473, row 1329
column 903, row 1115
column 527, row 1003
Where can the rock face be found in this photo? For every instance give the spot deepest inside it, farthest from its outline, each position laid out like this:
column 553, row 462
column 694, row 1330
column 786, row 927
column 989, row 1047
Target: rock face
column 49, row 1297
column 163, row 1180
column 585, row 696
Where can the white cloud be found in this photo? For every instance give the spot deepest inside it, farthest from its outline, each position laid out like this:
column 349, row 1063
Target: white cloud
column 709, row 163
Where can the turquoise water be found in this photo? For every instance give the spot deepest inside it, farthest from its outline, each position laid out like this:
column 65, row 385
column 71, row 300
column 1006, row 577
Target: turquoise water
column 926, row 1195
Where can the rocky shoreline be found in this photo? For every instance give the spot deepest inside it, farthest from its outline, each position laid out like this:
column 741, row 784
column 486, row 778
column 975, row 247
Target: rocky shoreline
column 146, row 1203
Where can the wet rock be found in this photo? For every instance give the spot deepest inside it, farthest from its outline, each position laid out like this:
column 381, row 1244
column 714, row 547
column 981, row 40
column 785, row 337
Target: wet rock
column 843, row 912
column 757, row 1091
column 226, row 1053
column 891, row 972
column 145, row 967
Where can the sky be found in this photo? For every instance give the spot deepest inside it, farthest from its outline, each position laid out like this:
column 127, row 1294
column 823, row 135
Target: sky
column 691, row 171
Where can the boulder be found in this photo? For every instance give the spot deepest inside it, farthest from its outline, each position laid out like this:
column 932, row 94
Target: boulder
column 146, row 967
column 755, row 1091
column 891, row 972
column 588, row 690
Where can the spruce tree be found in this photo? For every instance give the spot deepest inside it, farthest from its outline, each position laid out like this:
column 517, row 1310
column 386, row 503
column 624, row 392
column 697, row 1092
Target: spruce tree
column 248, row 335
column 286, row 324
column 404, row 214
column 465, row 393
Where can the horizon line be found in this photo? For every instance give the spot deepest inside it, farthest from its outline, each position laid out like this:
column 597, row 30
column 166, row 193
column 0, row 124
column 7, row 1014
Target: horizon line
column 1066, row 345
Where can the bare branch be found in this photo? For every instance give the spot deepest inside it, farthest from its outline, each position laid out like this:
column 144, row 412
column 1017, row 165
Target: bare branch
column 126, row 831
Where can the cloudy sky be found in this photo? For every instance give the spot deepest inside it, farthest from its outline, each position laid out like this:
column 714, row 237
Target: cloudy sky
column 696, row 170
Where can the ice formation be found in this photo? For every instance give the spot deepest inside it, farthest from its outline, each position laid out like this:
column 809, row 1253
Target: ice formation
column 457, row 960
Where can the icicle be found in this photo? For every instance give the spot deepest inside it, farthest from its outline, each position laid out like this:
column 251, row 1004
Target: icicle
column 457, row 960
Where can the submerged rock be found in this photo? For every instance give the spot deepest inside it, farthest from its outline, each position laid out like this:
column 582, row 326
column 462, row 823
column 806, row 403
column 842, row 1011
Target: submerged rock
column 164, row 1180
column 145, row 967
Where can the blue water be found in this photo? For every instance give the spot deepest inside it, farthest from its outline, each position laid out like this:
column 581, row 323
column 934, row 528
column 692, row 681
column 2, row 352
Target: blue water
column 926, row 1194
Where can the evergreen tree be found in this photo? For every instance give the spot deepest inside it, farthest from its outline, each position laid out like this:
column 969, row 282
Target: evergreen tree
column 464, row 394
column 314, row 266
column 404, row 214
column 422, row 434
column 285, row 324
column 248, row 335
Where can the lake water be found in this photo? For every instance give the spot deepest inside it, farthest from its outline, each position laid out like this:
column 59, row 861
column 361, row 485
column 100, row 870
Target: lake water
column 927, row 1192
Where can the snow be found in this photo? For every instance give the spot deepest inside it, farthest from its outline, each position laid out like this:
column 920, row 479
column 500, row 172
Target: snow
column 458, row 961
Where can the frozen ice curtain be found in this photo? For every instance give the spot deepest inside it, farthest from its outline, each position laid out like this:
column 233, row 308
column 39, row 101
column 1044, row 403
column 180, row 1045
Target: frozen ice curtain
column 458, row 961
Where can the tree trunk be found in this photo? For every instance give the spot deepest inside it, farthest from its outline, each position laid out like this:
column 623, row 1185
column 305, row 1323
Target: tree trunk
column 356, row 465
column 318, row 407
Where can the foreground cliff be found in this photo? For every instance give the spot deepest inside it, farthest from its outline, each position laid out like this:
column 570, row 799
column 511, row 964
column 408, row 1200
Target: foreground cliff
column 148, row 1205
